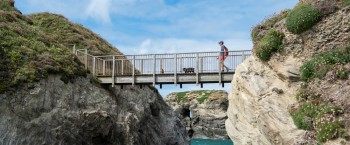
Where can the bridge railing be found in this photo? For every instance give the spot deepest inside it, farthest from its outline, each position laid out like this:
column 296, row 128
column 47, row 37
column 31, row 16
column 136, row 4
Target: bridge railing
column 152, row 64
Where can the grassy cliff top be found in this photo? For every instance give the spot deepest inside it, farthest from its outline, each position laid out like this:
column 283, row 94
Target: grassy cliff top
column 33, row 46
column 199, row 95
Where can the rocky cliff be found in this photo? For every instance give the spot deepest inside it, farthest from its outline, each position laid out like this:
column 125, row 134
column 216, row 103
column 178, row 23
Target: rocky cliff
column 52, row 112
column 47, row 97
column 271, row 101
column 208, row 110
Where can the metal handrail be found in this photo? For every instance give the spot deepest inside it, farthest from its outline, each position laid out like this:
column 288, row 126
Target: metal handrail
column 157, row 64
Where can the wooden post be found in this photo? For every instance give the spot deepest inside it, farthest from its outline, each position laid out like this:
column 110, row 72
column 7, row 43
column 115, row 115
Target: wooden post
column 181, row 61
column 85, row 59
column 122, row 66
column 175, row 72
column 133, row 70
column 161, row 66
column 243, row 56
column 219, row 62
column 113, row 69
column 74, row 51
column 154, row 70
column 197, row 68
column 104, row 67
column 94, row 65
column 201, row 62
column 141, row 66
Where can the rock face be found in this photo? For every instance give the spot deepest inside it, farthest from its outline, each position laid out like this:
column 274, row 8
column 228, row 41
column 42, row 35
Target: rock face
column 208, row 112
column 51, row 112
column 263, row 92
column 258, row 114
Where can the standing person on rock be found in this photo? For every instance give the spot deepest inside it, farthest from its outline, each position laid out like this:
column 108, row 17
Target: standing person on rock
column 223, row 55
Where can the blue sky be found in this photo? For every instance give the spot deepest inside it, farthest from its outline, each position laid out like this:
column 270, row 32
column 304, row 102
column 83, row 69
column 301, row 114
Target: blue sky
column 166, row 26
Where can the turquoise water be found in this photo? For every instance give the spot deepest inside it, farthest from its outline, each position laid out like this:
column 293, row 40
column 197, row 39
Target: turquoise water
column 210, row 142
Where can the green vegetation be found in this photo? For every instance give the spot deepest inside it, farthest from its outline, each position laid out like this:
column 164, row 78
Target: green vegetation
column 37, row 45
column 269, row 44
column 312, row 114
column 204, row 95
column 302, row 18
column 267, row 24
column 5, row 6
column 344, row 3
column 330, row 131
column 343, row 74
column 181, row 97
column 322, row 63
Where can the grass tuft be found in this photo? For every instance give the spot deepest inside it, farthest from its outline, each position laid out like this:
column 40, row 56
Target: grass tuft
column 269, row 44
column 302, row 18
column 268, row 23
column 37, row 45
column 318, row 66
column 313, row 114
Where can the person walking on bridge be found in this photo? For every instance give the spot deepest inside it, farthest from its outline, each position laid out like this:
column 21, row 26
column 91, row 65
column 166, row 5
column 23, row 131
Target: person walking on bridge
column 223, row 55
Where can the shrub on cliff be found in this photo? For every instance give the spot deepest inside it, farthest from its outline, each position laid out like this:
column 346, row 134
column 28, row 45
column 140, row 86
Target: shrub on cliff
column 5, row 6
column 302, row 18
column 41, row 44
column 330, row 131
column 344, row 3
column 268, row 23
column 269, row 44
column 318, row 66
column 313, row 114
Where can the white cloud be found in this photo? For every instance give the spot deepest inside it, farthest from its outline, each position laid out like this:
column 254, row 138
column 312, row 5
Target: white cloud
column 99, row 10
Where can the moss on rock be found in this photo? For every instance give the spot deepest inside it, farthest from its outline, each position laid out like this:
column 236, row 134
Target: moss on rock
column 41, row 44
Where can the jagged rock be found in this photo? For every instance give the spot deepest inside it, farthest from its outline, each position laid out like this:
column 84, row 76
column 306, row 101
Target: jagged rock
column 81, row 113
column 257, row 116
column 260, row 120
column 208, row 117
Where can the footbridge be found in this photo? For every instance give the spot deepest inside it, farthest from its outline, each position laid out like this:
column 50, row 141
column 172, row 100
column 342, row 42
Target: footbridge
column 172, row 68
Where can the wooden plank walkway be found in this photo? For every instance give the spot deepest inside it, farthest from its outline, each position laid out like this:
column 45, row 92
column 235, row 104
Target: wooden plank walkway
column 175, row 68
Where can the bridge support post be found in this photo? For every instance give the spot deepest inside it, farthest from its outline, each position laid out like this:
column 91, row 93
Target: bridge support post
column 85, row 59
column 94, row 66
column 181, row 62
column 181, row 86
column 201, row 64
column 175, row 71
column 133, row 70
column 122, row 66
column 104, row 67
column 220, row 63
column 160, row 86
column 223, row 85
column 141, row 66
column 113, row 70
column 154, row 70
column 74, row 50
column 197, row 68
column 201, row 85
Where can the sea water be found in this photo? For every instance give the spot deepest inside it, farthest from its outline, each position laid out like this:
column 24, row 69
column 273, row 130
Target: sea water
column 210, row 142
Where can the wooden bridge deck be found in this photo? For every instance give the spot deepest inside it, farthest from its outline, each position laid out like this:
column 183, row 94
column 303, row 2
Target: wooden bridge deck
column 162, row 68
